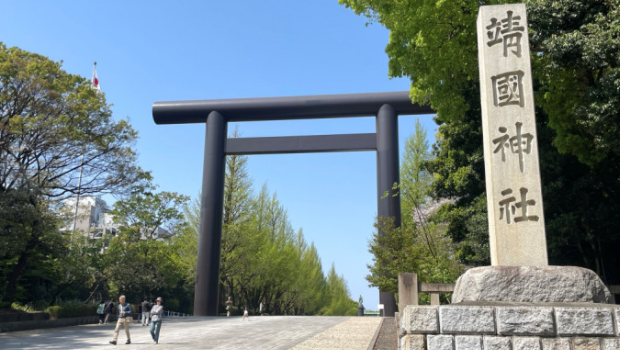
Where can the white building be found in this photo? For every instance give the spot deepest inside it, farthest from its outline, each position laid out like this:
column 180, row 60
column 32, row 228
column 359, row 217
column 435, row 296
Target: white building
column 92, row 219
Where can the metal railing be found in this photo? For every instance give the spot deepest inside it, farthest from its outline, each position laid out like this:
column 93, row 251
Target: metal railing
column 175, row 314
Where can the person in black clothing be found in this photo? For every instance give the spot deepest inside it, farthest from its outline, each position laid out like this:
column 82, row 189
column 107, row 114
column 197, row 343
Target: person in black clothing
column 146, row 312
column 109, row 307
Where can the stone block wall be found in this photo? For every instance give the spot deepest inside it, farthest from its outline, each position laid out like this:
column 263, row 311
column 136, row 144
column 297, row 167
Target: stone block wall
column 511, row 326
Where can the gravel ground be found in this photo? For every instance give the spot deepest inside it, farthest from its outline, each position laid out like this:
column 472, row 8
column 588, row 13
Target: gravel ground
column 388, row 337
column 215, row 333
column 356, row 333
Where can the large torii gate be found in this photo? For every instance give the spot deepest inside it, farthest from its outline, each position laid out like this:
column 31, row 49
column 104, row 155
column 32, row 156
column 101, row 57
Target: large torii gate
column 386, row 106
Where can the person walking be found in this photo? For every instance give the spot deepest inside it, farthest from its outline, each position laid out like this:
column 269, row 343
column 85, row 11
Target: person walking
column 109, row 308
column 157, row 312
column 228, row 306
column 124, row 319
column 146, row 309
column 245, row 314
column 101, row 311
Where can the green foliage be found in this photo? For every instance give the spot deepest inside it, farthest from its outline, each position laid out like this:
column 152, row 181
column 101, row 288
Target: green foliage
column 51, row 124
column 141, row 262
column 339, row 302
column 579, row 42
column 409, row 249
column 575, row 47
column 420, row 244
column 71, row 310
column 64, row 310
column 185, row 243
column 30, row 246
column 415, row 181
column 34, row 307
column 263, row 259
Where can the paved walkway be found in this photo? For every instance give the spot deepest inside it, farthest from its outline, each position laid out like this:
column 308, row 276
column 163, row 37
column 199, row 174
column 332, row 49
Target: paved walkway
column 261, row 332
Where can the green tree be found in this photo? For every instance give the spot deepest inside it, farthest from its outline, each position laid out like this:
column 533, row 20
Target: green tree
column 141, row 258
column 339, row 302
column 263, row 259
column 393, row 252
column 30, row 244
column 579, row 70
column 185, row 242
column 427, row 251
column 436, row 48
column 273, row 255
column 240, row 242
column 415, row 180
column 419, row 245
column 574, row 46
column 53, row 127
column 308, row 293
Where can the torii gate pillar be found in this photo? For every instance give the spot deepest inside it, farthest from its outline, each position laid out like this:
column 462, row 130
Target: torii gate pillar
column 211, row 212
column 387, row 176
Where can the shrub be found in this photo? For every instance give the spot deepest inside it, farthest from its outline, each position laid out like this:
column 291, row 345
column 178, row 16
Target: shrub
column 30, row 307
column 71, row 310
column 171, row 305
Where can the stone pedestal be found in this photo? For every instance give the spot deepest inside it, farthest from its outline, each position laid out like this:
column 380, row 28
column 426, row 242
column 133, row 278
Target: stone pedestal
column 568, row 284
column 511, row 326
column 517, row 307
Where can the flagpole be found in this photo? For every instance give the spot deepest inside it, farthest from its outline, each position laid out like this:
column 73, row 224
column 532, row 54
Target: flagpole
column 94, row 83
column 95, row 80
column 77, row 200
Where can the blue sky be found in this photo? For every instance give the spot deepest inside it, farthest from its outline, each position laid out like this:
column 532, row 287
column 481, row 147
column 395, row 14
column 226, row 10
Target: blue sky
column 148, row 51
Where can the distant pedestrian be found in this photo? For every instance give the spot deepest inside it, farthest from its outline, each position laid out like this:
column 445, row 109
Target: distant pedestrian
column 228, row 307
column 261, row 308
column 157, row 312
column 109, row 308
column 124, row 319
column 245, row 314
column 101, row 311
column 146, row 309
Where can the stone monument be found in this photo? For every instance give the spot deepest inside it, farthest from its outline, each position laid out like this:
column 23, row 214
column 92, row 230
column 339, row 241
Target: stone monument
column 519, row 302
column 513, row 186
column 519, row 270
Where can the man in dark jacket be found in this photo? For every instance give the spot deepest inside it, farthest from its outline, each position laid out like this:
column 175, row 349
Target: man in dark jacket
column 124, row 319
column 146, row 312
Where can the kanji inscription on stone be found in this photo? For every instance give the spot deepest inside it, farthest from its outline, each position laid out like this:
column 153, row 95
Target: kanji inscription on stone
column 507, row 31
column 519, row 144
column 514, row 195
column 517, row 208
column 508, row 89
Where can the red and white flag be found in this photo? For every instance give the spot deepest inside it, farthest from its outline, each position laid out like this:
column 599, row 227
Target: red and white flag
column 95, row 81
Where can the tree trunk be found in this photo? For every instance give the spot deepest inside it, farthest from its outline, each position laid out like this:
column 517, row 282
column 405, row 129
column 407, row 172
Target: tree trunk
column 19, row 268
